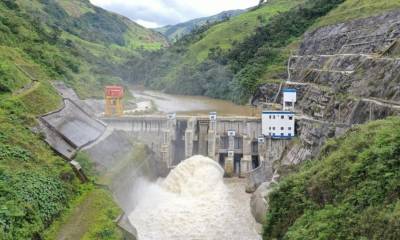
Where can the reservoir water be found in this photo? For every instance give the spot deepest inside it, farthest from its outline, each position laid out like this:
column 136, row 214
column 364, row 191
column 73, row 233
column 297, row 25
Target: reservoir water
column 191, row 105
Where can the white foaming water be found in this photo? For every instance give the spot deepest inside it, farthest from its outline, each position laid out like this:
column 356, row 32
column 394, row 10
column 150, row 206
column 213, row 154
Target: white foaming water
column 194, row 203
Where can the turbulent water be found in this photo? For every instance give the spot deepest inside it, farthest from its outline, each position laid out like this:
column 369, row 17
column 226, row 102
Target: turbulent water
column 194, row 203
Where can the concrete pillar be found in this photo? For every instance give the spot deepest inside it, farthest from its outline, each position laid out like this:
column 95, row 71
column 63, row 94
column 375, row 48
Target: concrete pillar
column 268, row 171
column 262, row 151
column 229, row 164
column 229, row 161
column 245, row 162
column 203, row 138
column 212, row 134
column 231, row 146
column 166, row 148
column 189, row 137
column 169, row 134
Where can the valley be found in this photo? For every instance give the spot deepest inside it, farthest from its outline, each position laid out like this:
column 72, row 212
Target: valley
column 191, row 155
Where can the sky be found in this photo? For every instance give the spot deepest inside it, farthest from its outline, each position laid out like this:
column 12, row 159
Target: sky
column 157, row 13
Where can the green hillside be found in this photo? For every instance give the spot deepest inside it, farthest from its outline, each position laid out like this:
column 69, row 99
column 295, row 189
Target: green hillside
column 350, row 192
column 354, row 9
column 230, row 59
column 75, row 41
column 226, row 34
column 40, row 41
column 175, row 32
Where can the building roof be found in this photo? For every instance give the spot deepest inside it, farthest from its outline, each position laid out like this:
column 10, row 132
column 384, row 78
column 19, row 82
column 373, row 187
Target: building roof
column 289, row 90
column 278, row 112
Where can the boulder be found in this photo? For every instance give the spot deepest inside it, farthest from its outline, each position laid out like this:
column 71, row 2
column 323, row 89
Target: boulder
column 259, row 202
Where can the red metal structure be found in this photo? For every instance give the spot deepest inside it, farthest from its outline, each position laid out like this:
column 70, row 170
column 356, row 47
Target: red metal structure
column 114, row 96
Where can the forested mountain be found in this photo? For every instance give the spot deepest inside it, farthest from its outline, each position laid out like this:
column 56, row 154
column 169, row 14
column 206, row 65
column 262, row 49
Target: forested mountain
column 230, row 59
column 175, row 32
column 199, row 62
column 74, row 40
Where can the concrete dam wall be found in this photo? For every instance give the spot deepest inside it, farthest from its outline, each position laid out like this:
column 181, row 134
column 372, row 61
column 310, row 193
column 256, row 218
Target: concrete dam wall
column 69, row 129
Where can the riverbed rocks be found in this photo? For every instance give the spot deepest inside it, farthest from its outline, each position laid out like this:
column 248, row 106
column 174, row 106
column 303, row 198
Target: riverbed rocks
column 259, row 201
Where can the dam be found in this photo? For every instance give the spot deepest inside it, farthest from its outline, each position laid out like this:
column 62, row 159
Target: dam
column 199, row 166
column 234, row 142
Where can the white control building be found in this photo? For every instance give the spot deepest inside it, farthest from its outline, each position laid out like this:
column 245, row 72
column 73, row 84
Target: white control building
column 278, row 124
column 281, row 124
column 289, row 99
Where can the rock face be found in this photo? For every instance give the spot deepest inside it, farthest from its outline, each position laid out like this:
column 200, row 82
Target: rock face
column 345, row 74
column 259, row 203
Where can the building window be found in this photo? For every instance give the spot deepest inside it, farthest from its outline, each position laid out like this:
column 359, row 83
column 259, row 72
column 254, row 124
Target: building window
column 270, row 128
column 273, row 128
column 290, row 128
column 282, row 117
column 289, row 134
column 282, row 134
column 273, row 117
column 290, row 117
column 282, row 128
column 270, row 116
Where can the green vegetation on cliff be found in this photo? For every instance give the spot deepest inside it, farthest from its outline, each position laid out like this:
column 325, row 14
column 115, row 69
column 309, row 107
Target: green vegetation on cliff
column 42, row 40
column 355, row 9
column 74, row 41
column 228, row 59
column 351, row 192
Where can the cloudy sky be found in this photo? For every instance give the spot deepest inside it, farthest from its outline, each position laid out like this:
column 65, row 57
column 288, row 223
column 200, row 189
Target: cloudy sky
column 156, row 13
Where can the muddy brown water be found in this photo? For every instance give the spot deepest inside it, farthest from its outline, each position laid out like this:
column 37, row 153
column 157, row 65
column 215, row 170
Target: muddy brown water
column 191, row 105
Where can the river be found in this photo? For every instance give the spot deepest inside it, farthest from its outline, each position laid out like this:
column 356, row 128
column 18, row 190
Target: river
column 194, row 202
column 190, row 105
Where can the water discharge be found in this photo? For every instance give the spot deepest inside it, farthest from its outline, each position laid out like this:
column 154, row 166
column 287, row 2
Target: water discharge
column 194, row 203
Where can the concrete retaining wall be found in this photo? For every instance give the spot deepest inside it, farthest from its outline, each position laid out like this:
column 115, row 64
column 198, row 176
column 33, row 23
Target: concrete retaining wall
column 70, row 128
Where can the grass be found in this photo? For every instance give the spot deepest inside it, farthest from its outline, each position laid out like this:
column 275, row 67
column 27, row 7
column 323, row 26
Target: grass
column 355, row 9
column 90, row 216
column 349, row 192
column 238, row 28
column 75, row 8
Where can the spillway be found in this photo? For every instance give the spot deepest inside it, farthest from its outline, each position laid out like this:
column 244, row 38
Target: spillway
column 194, row 203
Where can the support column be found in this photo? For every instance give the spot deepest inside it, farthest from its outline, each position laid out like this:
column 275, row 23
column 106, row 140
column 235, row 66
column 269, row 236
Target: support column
column 167, row 153
column 229, row 164
column 189, row 137
column 212, row 134
column 245, row 162
column 165, row 147
column 262, row 150
column 203, row 137
column 229, row 161
column 268, row 171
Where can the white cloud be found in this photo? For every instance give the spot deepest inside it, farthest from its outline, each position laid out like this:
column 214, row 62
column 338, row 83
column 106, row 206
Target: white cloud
column 147, row 23
column 163, row 12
